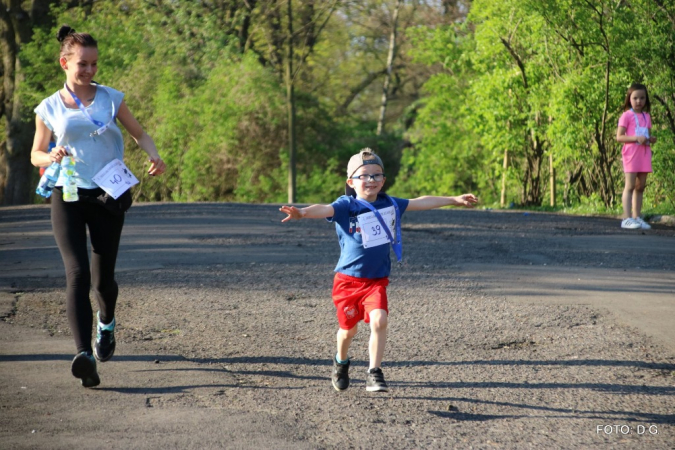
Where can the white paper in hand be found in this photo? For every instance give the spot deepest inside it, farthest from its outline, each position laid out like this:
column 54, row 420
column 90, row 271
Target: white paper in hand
column 115, row 178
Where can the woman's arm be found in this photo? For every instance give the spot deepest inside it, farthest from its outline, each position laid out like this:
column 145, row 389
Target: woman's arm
column 142, row 138
column 38, row 154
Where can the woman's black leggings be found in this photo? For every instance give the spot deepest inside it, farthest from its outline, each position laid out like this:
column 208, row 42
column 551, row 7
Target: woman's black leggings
column 70, row 221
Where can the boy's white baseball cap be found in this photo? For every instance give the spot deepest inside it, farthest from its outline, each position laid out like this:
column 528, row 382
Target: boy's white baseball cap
column 365, row 156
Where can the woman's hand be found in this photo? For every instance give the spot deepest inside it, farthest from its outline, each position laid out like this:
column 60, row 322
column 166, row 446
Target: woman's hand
column 642, row 140
column 57, row 154
column 157, row 166
column 652, row 139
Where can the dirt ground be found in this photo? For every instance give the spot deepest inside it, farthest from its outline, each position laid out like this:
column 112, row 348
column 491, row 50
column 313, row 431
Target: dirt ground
column 508, row 330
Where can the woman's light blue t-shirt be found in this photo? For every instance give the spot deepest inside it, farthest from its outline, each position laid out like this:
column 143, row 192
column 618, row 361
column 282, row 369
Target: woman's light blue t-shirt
column 71, row 128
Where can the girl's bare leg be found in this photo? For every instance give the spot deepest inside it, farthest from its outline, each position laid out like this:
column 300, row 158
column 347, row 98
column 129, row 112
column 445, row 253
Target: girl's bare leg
column 638, row 193
column 627, row 197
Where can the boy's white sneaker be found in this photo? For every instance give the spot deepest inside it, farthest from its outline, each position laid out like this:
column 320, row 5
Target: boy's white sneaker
column 644, row 225
column 630, row 224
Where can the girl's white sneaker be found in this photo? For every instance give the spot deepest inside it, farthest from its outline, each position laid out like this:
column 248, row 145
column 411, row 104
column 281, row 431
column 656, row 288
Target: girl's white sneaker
column 631, row 224
column 644, row 225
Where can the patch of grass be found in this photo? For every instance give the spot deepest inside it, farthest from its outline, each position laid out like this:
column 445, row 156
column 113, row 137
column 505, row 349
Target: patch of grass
column 591, row 206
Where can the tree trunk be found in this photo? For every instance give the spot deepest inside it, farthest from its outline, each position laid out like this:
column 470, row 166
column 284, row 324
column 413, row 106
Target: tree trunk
column 552, row 178
column 502, row 201
column 390, row 61
column 16, row 29
column 291, row 108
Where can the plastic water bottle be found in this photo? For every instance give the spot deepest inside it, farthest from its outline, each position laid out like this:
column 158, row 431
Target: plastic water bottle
column 70, row 191
column 48, row 180
column 70, row 185
column 68, row 166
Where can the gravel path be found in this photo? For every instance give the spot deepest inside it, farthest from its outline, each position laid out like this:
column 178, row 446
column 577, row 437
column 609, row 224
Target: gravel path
column 226, row 330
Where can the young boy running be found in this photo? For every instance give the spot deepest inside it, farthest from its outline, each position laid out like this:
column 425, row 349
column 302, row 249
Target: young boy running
column 366, row 222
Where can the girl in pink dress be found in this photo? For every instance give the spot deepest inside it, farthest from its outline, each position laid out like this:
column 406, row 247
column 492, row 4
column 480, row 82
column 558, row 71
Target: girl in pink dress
column 634, row 131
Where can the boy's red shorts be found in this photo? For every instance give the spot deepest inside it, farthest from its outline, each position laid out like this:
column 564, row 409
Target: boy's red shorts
column 355, row 298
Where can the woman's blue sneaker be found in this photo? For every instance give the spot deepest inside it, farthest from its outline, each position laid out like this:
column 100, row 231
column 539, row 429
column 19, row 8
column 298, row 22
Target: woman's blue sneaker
column 84, row 368
column 105, row 341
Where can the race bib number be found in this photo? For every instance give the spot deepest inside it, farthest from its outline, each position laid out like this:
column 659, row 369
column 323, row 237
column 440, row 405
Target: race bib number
column 115, row 178
column 372, row 232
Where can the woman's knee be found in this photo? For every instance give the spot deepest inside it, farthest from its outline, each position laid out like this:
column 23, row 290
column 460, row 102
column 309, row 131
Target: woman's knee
column 78, row 274
column 107, row 291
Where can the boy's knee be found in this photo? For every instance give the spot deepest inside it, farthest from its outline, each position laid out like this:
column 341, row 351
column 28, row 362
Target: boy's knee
column 348, row 334
column 379, row 319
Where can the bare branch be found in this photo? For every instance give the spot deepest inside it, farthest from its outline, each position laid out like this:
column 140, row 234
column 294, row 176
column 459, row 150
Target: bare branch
column 517, row 58
column 356, row 90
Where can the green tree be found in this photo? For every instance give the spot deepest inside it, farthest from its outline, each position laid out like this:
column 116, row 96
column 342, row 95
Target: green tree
column 543, row 78
column 18, row 22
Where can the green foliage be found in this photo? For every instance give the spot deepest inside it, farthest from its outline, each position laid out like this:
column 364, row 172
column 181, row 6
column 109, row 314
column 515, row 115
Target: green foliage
column 531, row 78
column 41, row 56
column 538, row 78
column 235, row 146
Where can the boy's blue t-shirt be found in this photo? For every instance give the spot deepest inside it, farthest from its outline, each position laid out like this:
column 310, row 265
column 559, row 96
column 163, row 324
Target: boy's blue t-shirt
column 356, row 261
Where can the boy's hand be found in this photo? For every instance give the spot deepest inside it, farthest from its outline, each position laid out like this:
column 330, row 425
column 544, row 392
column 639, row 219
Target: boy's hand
column 652, row 139
column 292, row 211
column 467, row 200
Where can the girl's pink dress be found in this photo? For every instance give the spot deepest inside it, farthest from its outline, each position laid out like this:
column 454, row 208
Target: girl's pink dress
column 636, row 158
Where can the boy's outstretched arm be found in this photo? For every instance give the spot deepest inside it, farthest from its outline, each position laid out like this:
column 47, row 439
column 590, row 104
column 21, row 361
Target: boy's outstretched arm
column 310, row 212
column 432, row 202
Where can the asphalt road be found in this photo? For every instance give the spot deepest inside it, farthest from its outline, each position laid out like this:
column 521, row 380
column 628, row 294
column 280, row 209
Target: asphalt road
column 508, row 330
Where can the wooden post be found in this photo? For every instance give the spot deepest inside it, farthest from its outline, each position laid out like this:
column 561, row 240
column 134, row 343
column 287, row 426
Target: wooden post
column 290, row 99
column 502, row 202
column 550, row 162
column 390, row 63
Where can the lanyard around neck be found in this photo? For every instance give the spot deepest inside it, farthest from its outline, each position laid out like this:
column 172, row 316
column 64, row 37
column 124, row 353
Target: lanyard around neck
column 101, row 126
column 395, row 243
column 637, row 122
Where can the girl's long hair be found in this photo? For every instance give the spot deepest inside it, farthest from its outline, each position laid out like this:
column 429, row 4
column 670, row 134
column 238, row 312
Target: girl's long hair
column 637, row 87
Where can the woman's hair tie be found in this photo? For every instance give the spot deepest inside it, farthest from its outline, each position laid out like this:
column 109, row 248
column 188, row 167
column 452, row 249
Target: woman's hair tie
column 64, row 32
